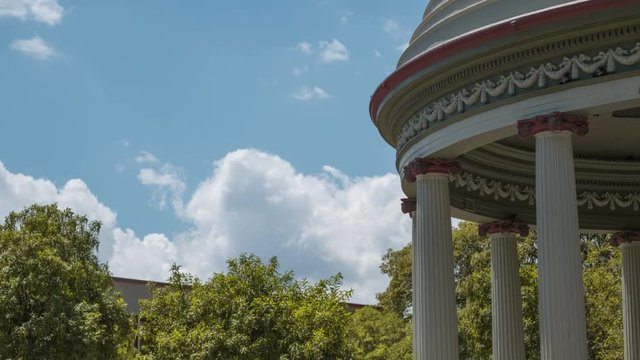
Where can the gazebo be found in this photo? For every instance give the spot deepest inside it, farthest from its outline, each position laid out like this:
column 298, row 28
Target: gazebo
column 515, row 114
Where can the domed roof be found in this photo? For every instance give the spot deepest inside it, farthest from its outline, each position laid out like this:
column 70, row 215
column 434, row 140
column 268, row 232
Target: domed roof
column 445, row 20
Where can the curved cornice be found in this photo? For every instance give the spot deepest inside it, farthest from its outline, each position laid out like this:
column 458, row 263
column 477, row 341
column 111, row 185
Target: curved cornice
column 570, row 69
column 502, row 29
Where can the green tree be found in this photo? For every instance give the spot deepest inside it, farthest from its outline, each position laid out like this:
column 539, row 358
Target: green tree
column 251, row 312
column 376, row 334
column 603, row 287
column 602, row 278
column 397, row 266
column 58, row 300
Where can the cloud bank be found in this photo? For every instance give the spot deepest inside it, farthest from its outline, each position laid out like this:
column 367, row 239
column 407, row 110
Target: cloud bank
column 255, row 202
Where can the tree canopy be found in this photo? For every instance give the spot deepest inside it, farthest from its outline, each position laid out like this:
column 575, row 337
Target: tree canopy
column 250, row 312
column 602, row 279
column 58, row 300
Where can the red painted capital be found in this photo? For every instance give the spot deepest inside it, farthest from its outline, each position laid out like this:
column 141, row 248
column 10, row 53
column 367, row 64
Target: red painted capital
column 502, row 227
column 422, row 166
column 556, row 121
column 408, row 205
column 624, row 237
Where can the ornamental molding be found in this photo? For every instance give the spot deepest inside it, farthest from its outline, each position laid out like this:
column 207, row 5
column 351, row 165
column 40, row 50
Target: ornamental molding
column 588, row 200
column 543, row 76
column 625, row 237
column 423, row 166
column 556, row 121
column 503, row 227
column 408, row 205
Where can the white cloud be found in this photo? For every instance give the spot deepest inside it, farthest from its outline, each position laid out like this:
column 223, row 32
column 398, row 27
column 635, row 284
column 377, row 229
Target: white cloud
column 305, row 47
column 256, row 202
column 377, row 53
column 18, row 191
column 307, row 93
column 333, row 51
column 328, row 51
column 45, row 11
column 35, row 47
column 148, row 258
column 391, row 27
column 166, row 182
column 145, row 157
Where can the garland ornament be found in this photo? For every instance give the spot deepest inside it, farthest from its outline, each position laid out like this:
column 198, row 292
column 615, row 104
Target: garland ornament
column 569, row 69
column 513, row 193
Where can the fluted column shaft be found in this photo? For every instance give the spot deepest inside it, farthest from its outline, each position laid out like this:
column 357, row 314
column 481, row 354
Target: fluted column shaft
column 506, row 304
column 414, row 272
column 435, row 323
column 631, row 299
column 563, row 333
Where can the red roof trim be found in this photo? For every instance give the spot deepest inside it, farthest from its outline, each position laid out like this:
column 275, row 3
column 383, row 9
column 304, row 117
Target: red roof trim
column 489, row 33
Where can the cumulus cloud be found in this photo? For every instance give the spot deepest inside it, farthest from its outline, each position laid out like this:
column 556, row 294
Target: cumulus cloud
column 257, row 202
column 307, row 93
column 18, row 191
column 46, row 11
column 317, row 224
column 35, row 47
column 333, row 51
column 166, row 182
column 148, row 258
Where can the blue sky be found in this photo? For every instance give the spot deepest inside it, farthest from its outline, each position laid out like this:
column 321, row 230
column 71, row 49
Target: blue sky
column 198, row 130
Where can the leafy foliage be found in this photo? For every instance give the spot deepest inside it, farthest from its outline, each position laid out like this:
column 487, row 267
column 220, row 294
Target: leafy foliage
column 251, row 312
column 58, row 301
column 602, row 278
column 379, row 335
column 397, row 297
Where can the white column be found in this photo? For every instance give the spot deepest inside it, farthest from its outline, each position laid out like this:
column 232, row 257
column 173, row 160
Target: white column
column 631, row 299
column 409, row 207
column 506, row 303
column 436, row 335
column 629, row 242
column 563, row 334
column 414, row 273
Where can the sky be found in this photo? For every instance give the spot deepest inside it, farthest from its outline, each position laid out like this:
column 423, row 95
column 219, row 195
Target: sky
column 196, row 131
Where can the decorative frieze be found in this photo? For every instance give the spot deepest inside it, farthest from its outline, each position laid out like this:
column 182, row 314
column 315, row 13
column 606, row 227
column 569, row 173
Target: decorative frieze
column 571, row 68
column 514, row 192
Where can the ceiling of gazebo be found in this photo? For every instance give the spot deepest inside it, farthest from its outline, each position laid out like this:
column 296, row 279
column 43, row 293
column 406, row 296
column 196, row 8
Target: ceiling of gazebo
column 610, row 137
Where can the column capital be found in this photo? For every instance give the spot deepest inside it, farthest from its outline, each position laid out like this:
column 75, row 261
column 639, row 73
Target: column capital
column 408, row 205
column 624, row 237
column 556, row 121
column 423, row 166
column 502, row 227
